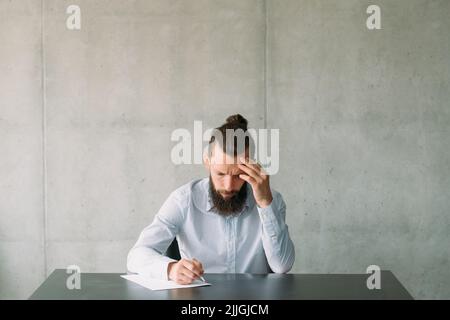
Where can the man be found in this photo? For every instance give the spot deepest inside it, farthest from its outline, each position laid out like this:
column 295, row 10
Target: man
column 232, row 222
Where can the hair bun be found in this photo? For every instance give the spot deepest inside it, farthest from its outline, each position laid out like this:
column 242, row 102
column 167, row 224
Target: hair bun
column 238, row 121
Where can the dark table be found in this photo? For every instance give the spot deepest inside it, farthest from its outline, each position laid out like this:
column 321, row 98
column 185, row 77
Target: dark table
column 227, row 287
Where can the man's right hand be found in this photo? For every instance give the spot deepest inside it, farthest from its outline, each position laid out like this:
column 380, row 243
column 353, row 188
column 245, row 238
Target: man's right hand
column 184, row 271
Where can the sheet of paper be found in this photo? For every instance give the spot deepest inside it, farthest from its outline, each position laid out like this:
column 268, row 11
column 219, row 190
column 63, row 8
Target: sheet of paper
column 157, row 284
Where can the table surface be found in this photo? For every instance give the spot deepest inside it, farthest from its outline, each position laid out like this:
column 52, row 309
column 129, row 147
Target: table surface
column 227, row 287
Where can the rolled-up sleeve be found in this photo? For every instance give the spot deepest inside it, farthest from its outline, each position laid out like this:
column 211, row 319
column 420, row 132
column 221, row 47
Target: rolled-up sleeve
column 146, row 257
column 278, row 246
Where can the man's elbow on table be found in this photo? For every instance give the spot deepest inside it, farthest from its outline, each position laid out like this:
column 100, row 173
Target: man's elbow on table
column 131, row 261
column 285, row 267
column 281, row 268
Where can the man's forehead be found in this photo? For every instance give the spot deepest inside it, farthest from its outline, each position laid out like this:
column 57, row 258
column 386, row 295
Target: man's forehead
column 227, row 168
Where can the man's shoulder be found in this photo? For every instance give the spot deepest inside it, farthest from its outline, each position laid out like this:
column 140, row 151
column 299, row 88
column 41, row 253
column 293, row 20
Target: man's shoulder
column 191, row 187
column 193, row 191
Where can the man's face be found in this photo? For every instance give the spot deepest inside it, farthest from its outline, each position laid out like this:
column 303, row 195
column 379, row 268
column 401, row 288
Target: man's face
column 226, row 181
column 228, row 191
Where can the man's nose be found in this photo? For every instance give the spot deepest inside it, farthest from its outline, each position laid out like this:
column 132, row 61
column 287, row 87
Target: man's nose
column 228, row 183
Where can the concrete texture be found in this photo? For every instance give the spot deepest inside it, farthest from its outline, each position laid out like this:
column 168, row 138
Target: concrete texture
column 115, row 90
column 21, row 168
column 363, row 115
column 364, row 120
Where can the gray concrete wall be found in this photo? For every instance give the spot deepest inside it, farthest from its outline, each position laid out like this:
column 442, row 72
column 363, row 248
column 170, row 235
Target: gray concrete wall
column 365, row 136
column 364, row 119
column 21, row 168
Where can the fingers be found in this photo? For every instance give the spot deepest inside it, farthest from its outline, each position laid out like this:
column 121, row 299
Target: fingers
column 248, row 179
column 182, row 279
column 193, row 266
column 252, row 165
column 186, row 271
column 189, row 274
column 251, row 173
column 184, row 275
column 199, row 265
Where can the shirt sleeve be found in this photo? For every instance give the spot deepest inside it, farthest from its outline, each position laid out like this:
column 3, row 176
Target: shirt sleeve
column 147, row 255
column 278, row 246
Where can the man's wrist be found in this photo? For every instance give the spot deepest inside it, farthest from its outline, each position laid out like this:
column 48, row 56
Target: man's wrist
column 265, row 203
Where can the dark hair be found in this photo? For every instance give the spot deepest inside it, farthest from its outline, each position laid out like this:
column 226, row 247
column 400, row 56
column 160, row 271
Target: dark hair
column 237, row 125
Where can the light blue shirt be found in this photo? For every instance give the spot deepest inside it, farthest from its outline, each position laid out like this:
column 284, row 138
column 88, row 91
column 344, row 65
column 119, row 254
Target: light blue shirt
column 254, row 241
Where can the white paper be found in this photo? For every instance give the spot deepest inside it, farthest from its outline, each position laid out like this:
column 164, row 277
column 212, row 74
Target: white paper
column 157, row 284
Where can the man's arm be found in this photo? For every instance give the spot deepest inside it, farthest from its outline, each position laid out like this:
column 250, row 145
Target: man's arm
column 146, row 257
column 278, row 246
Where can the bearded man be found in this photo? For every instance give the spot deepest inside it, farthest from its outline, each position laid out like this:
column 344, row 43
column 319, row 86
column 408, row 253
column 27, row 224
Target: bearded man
column 229, row 222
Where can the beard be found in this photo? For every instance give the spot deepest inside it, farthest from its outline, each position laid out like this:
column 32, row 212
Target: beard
column 230, row 206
